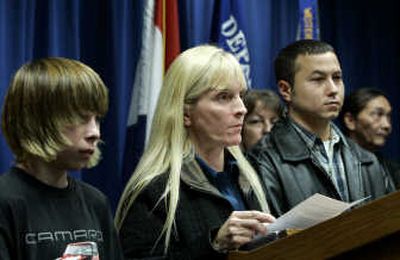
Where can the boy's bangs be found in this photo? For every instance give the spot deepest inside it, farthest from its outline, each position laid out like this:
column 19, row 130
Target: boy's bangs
column 88, row 96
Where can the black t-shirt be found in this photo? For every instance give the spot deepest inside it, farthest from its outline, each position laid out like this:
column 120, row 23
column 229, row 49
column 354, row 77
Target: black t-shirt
column 38, row 221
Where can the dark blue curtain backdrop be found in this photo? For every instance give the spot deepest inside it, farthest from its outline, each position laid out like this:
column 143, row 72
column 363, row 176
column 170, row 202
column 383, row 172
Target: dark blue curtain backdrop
column 100, row 33
column 366, row 35
column 270, row 25
column 106, row 35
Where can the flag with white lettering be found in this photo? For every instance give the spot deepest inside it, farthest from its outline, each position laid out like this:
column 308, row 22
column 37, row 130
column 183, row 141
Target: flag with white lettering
column 308, row 20
column 229, row 32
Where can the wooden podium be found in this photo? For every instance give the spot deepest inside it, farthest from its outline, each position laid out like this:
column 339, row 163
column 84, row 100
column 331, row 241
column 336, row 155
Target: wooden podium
column 371, row 231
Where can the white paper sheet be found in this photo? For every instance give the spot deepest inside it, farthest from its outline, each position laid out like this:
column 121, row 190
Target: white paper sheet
column 314, row 210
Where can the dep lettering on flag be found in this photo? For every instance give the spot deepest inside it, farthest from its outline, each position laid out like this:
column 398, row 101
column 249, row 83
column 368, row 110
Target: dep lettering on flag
column 229, row 32
column 308, row 20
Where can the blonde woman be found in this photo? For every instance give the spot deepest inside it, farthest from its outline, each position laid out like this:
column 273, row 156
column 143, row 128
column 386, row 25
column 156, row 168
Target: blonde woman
column 193, row 194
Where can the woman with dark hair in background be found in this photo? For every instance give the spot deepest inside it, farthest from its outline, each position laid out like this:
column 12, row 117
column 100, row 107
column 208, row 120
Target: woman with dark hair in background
column 264, row 108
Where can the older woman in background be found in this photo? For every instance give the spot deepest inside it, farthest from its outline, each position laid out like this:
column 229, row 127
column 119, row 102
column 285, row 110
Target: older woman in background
column 264, row 108
column 366, row 118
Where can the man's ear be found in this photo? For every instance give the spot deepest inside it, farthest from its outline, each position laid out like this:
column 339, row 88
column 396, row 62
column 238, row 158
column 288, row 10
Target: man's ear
column 349, row 121
column 285, row 90
column 186, row 116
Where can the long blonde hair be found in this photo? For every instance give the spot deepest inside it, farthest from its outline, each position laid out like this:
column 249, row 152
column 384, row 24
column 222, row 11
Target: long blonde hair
column 193, row 72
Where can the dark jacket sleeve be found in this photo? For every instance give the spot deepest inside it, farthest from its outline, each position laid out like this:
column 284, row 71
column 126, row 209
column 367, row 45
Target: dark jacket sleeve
column 270, row 181
column 139, row 232
column 141, row 229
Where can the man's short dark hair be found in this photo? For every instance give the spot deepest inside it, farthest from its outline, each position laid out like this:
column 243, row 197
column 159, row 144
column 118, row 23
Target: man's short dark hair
column 285, row 61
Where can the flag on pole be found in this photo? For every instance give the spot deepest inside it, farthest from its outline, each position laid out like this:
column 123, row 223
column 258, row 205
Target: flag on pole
column 171, row 35
column 160, row 45
column 308, row 20
column 230, row 32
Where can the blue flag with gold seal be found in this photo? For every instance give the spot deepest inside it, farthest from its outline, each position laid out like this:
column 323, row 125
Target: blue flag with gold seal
column 308, row 20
